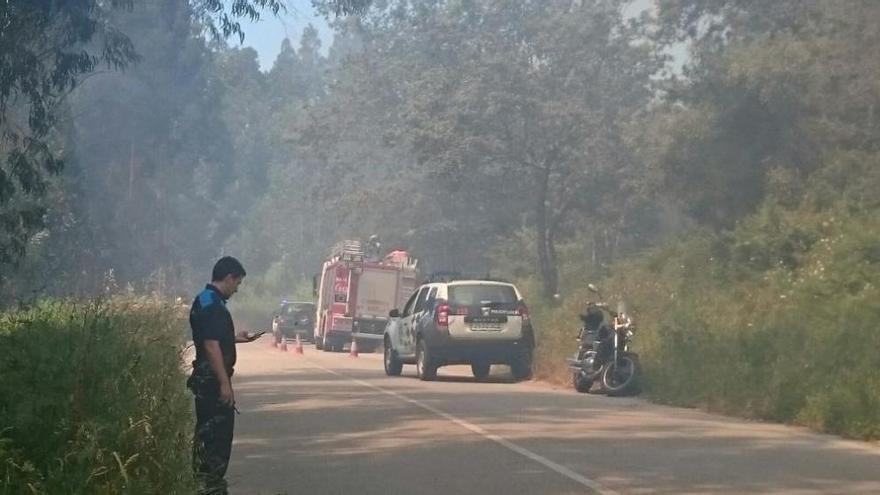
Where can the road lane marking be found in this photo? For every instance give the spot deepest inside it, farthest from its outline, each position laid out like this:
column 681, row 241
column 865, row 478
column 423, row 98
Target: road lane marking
column 558, row 468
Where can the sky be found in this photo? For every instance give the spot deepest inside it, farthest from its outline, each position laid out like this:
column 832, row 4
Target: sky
column 266, row 35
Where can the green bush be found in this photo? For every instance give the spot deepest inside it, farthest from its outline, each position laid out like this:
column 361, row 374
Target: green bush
column 92, row 400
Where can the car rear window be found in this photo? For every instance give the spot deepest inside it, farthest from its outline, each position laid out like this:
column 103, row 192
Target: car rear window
column 472, row 295
column 297, row 309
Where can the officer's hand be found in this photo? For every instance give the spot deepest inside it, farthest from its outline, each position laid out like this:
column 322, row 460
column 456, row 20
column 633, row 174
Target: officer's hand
column 226, row 395
column 243, row 337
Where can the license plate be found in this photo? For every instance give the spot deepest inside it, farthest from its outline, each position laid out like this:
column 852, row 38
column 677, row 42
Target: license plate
column 481, row 320
column 485, row 327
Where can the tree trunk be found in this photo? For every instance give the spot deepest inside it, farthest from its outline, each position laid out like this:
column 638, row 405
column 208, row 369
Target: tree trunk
column 131, row 171
column 545, row 240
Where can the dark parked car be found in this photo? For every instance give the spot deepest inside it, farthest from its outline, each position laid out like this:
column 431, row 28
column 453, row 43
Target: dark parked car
column 292, row 319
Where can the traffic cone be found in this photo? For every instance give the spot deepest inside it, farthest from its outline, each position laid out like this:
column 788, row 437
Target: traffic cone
column 298, row 349
column 354, row 348
column 284, row 344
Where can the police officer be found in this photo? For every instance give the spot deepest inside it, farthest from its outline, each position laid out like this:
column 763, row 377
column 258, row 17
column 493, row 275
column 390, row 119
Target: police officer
column 214, row 338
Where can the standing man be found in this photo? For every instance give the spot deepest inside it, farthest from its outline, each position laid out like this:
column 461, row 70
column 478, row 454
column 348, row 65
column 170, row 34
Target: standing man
column 211, row 380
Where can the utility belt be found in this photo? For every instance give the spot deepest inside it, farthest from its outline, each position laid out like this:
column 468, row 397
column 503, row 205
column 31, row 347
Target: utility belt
column 202, row 382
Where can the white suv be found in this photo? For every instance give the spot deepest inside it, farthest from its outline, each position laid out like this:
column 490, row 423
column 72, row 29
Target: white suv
column 475, row 322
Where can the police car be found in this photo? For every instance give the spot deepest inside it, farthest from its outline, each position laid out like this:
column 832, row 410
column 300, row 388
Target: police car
column 475, row 322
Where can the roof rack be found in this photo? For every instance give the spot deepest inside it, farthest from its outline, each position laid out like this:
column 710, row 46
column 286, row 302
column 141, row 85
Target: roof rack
column 452, row 276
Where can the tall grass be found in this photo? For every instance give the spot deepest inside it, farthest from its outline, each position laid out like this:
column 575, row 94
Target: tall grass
column 92, row 400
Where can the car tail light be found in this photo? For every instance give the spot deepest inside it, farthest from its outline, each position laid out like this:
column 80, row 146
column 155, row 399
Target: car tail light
column 523, row 311
column 441, row 316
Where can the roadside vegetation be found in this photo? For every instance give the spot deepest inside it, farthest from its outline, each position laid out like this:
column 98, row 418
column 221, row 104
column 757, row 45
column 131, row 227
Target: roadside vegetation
column 92, row 399
column 776, row 319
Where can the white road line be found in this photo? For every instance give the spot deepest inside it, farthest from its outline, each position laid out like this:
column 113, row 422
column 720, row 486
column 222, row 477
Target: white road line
column 568, row 473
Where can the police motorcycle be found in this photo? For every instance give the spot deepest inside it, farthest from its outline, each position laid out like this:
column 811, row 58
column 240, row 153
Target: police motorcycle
column 603, row 352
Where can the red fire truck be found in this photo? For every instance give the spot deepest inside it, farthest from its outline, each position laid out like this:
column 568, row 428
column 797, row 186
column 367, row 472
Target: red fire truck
column 355, row 293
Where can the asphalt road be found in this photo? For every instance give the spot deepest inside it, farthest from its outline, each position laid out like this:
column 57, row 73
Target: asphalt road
column 323, row 423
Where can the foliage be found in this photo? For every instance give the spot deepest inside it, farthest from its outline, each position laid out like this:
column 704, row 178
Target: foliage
column 42, row 59
column 767, row 308
column 92, row 399
column 221, row 16
column 160, row 186
column 47, row 49
column 774, row 320
column 773, row 88
column 342, row 7
column 515, row 112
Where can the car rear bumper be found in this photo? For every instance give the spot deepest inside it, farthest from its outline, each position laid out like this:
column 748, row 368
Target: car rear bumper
column 297, row 330
column 369, row 328
column 340, row 335
column 445, row 350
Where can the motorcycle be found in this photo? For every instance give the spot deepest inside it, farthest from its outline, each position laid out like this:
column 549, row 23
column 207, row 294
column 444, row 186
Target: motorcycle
column 604, row 351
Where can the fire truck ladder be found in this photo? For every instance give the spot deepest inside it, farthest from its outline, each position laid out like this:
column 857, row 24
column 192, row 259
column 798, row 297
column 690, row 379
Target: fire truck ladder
column 348, row 251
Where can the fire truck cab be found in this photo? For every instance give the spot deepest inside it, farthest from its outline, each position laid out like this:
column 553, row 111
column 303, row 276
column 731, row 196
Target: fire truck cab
column 355, row 293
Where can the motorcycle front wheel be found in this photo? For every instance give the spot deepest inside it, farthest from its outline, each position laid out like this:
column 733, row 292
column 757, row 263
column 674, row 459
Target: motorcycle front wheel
column 622, row 377
column 581, row 383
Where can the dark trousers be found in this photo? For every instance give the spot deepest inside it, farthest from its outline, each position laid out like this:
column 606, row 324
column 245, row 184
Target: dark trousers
column 212, row 444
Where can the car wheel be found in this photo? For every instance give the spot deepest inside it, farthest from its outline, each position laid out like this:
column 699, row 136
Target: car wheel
column 393, row 365
column 480, row 371
column 425, row 367
column 521, row 366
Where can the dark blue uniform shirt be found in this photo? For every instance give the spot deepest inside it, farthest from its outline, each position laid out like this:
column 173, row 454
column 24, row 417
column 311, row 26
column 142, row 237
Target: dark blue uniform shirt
column 210, row 320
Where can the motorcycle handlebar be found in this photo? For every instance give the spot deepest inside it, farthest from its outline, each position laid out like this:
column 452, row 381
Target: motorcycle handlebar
column 602, row 305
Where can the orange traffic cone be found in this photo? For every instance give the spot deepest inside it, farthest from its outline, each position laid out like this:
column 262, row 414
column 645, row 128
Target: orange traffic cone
column 354, row 348
column 298, row 349
column 283, row 344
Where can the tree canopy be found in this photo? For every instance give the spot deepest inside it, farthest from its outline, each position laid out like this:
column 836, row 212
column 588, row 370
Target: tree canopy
column 47, row 49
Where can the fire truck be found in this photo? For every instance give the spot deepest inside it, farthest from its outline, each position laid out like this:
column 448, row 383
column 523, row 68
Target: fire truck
column 355, row 293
